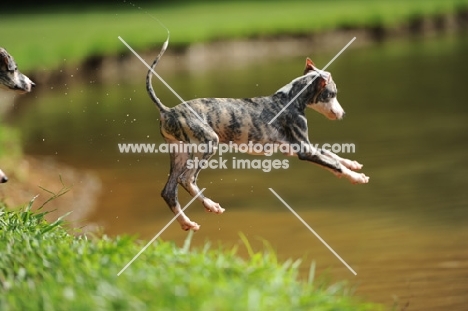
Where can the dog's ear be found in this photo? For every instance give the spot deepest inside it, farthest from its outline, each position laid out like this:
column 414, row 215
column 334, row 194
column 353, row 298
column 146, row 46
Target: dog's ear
column 3, row 58
column 323, row 79
column 7, row 60
column 309, row 66
column 321, row 83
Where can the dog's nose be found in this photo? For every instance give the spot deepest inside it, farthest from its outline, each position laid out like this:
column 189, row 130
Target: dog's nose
column 33, row 84
column 3, row 179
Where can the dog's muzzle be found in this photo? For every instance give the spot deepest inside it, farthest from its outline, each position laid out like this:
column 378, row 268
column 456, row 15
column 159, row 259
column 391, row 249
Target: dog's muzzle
column 3, row 177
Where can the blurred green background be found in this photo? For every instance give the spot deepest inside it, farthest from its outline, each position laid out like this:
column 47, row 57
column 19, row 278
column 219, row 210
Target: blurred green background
column 43, row 35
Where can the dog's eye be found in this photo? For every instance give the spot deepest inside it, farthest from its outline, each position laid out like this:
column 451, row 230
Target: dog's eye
column 327, row 94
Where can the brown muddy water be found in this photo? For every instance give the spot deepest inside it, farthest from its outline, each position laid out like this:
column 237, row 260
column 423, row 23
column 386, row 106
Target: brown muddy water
column 405, row 233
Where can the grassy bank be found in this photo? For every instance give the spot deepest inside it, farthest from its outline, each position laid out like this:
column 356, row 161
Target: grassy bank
column 48, row 40
column 42, row 267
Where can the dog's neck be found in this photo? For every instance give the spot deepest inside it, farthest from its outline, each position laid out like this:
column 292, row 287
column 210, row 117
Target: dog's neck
column 305, row 84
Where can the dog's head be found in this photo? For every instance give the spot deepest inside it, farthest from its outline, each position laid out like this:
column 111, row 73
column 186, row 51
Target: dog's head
column 10, row 77
column 324, row 99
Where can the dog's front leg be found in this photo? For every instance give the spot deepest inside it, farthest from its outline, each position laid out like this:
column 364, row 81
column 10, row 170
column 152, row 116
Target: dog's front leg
column 351, row 164
column 332, row 163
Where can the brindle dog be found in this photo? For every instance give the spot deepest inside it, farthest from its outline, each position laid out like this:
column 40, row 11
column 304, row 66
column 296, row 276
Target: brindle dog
column 224, row 120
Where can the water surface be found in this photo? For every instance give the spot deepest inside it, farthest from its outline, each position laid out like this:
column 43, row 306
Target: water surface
column 405, row 233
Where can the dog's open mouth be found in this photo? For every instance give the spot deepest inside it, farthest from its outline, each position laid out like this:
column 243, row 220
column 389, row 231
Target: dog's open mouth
column 335, row 116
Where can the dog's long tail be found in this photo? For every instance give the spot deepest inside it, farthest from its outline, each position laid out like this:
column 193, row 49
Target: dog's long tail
column 149, row 76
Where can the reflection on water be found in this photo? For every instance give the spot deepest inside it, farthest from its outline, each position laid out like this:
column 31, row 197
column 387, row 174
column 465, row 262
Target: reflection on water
column 405, row 233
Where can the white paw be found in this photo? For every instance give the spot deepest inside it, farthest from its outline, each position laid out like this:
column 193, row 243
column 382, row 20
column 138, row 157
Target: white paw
column 211, row 206
column 189, row 225
column 358, row 178
column 352, row 165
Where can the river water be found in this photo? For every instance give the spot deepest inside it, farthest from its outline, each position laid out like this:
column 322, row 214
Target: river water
column 405, row 233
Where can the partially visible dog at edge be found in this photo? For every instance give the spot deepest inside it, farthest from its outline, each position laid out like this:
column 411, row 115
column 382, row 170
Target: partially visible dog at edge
column 244, row 120
column 12, row 79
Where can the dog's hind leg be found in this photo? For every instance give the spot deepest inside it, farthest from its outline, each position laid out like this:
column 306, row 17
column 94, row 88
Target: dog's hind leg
column 190, row 184
column 178, row 165
column 188, row 179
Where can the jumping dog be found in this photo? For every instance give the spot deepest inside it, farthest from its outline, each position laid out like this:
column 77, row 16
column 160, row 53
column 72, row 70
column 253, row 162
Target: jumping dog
column 12, row 79
column 244, row 120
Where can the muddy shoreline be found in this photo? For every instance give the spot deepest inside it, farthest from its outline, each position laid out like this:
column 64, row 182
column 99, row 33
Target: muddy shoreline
column 41, row 178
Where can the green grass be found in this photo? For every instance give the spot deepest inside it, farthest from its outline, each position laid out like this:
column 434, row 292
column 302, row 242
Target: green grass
column 51, row 40
column 42, row 267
